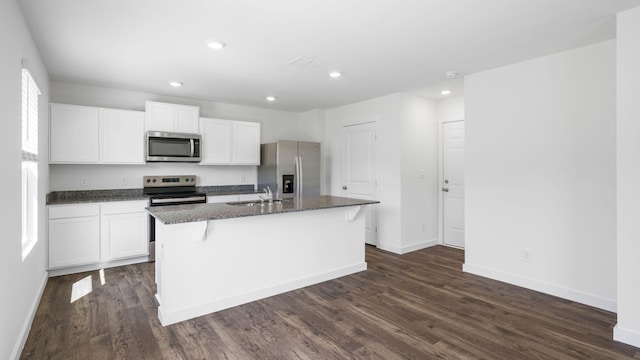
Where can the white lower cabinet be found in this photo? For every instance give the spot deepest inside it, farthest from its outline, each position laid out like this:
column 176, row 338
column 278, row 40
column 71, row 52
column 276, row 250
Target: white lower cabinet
column 123, row 230
column 96, row 233
column 74, row 235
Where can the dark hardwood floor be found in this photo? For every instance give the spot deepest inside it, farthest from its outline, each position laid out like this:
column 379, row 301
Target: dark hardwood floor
column 415, row 306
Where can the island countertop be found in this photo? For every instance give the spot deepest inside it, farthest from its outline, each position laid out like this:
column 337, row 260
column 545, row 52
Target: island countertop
column 177, row 214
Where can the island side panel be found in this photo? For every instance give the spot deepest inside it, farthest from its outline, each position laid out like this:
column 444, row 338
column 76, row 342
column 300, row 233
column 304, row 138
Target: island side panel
column 244, row 259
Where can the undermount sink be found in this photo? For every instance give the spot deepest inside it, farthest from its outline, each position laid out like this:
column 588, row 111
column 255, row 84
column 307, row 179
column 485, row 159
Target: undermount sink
column 256, row 203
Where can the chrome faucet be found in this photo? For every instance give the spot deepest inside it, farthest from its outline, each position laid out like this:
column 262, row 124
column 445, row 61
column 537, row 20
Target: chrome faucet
column 270, row 195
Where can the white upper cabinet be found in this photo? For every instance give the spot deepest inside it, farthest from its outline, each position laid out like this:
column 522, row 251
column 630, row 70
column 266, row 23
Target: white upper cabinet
column 171, row 117
column 216, row 141
column 121, row 137
column 227, row 142
column 91, row 135
column 74, row 134
column 246, row 143
column 187, row 119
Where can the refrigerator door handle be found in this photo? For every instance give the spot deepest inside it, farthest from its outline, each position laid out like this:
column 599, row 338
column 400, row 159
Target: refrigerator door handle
column 301, row 176
column 296, row 189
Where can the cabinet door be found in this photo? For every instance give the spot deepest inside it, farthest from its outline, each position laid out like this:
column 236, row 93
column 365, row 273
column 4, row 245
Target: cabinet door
column 216, row 141
column 74, row 241
column 246, row 143
column 121, row 136
column 187, row 119
column 123, row 230
column 74, row 134
column 160, row 116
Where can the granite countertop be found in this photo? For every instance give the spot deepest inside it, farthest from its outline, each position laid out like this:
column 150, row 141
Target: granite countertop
column 89, row 196
column 199, row 212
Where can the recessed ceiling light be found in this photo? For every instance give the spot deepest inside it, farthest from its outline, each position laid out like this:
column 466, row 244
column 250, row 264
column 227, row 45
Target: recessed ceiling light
column 271, row 98
column 216, row 45
column 175, row 83
column 445, row 92
column 335, row 74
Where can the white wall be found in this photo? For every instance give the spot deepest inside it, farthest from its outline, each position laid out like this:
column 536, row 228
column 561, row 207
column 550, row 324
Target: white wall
column 628, row 131
column 419, row 139
column 21, row 281
column 67, row 177
column 450, row 109
column 539, row 174
column 407, row 143
column 275, row 125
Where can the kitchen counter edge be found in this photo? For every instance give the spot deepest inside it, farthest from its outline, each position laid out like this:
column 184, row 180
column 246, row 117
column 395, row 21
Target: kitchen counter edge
column 179, row 214
column 91, row 196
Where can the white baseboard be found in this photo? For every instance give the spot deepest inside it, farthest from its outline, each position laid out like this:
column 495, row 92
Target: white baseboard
column 408, row 248
column 98, row 266
column 192, row 312
column 626, row 336
column 569, row 294
column 26, row 327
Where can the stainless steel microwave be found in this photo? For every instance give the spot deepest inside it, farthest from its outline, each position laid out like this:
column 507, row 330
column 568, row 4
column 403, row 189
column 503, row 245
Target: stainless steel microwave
column 173, row 147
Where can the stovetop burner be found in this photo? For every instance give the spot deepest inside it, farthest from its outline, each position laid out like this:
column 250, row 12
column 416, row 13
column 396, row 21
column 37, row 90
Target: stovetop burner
column 172, row 190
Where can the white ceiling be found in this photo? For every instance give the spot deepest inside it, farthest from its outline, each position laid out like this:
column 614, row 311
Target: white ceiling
column 381, row 46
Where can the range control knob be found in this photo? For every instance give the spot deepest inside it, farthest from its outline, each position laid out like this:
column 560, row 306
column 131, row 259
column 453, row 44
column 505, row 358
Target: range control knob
column 154, row 180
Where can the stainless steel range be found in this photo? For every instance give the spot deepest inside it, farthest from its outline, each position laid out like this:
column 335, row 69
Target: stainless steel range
column 169, row 190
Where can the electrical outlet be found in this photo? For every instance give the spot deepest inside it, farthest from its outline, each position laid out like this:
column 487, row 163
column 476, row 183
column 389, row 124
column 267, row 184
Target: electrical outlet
column 526, row 255
column 203, row 180
column 124, row 180
column 421, row 174
column 84, row 181
column 243, row 178
column 424, row 227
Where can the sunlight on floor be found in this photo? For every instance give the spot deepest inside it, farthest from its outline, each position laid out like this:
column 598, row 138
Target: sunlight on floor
column 102, row 280
column 81, row 288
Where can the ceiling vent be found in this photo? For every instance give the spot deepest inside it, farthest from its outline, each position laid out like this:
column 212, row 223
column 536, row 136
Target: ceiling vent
column 302, row 62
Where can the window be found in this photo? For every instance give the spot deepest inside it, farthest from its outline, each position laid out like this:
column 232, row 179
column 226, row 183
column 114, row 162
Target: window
column 30, row 95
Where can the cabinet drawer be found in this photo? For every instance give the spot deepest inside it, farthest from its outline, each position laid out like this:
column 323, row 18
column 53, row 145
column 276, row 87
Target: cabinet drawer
column 69, row 211
column 123, row 207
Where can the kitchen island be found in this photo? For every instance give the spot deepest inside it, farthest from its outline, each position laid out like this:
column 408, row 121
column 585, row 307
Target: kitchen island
column 210, row 257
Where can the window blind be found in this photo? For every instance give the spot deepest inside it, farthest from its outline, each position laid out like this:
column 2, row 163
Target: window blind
column 30, row 93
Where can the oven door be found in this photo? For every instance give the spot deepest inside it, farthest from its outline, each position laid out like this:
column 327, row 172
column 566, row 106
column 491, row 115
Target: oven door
column 173, row 147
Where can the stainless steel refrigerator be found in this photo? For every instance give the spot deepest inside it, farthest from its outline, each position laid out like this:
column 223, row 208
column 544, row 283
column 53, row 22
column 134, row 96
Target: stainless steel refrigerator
column 290, row 168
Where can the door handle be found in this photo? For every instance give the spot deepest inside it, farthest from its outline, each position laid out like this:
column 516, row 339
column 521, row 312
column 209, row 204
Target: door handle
column 445, row 189
column 344, row 187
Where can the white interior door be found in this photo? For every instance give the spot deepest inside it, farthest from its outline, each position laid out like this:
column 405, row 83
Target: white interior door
column 361, row 172
column 453, row 183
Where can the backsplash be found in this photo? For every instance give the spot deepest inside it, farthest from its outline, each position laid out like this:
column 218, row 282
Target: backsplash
column 103, row 177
